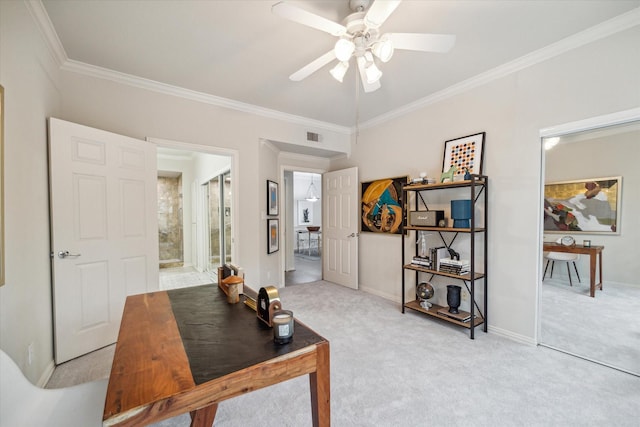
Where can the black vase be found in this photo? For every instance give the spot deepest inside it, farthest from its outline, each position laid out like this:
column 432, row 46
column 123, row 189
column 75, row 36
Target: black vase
column 453, row 298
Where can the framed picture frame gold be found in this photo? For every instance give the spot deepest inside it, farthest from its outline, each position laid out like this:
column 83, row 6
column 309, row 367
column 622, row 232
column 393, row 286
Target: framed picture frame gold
column 2, row 271
column 587, row 206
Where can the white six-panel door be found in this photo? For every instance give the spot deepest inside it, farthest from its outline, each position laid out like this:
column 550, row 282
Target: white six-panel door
column 104, row 232
column 340, row 227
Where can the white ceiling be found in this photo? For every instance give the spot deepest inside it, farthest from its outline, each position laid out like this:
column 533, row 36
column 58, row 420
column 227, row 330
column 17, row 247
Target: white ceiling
column 240, row 51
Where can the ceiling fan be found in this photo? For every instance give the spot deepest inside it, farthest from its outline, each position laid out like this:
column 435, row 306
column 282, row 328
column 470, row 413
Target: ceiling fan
column 360, row 38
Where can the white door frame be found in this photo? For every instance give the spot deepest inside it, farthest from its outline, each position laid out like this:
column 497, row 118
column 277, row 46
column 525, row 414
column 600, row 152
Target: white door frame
column 287, row 216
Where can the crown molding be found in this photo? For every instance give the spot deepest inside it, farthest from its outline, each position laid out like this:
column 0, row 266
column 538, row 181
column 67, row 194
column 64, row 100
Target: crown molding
column 41, row 17
column 597, row 32
column 152, row 85
column 605, row 29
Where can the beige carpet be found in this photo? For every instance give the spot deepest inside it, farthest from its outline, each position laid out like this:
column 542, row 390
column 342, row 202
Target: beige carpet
column 393, row 369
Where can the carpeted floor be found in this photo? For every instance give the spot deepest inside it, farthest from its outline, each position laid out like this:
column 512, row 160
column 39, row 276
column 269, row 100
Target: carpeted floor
column 394, row 369
column 604, row 328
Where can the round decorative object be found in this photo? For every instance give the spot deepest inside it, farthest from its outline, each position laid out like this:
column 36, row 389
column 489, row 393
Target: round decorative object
column 567, row 241
column 442, row 223
column 424, row 291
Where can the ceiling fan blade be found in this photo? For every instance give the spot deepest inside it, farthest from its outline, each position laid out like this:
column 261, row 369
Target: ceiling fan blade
column 424, row 42
column 301, row 16
column 368, row 87
column 379, row 11
column 313, row 66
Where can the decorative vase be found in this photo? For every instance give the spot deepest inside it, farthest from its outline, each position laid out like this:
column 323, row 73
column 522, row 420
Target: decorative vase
column 461, row 213
column 453, row 298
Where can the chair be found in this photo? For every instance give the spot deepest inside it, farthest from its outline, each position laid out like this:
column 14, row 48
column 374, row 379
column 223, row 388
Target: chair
column 25, row 405
column 561, row 257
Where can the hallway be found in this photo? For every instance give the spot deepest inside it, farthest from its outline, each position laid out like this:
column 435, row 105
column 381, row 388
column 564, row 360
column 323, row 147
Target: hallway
column 308, row 269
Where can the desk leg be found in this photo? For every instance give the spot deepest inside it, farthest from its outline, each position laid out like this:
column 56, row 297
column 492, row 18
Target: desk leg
column 320, row 384
column 204, row 417
column 592, row 275
column 600, row 268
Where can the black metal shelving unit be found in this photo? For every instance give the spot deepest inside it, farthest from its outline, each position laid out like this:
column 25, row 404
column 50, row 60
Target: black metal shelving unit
column 478, row 186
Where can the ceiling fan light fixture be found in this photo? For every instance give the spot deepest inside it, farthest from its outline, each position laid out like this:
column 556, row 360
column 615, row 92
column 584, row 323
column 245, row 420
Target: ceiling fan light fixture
column 344, row 49
column 383, row 49
column 372, row 72
column 340, row 70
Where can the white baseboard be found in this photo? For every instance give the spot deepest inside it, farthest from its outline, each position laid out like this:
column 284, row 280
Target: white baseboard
column 511, row 335
column 378, row 293
column 46, row 375
column 491, row 329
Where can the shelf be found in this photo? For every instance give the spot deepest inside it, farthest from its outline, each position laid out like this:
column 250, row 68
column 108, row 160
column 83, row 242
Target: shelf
column 433, row 311
column 442, row 273
column 447, row 229
column 478, row 188
column 443, row 185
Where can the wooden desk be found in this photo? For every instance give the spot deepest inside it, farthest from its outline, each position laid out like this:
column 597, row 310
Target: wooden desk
column 186, row 350
column 592, row 251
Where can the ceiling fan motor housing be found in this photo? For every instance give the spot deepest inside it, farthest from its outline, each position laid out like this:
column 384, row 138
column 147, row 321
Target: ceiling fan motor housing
column 359, row 5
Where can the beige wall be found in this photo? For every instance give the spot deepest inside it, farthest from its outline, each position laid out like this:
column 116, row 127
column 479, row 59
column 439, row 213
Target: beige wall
column 32, row 93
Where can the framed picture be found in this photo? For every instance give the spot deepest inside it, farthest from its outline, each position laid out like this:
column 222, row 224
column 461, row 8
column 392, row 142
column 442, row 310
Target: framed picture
column 272, row 198
column 2, row 276
column 273, row 233
column 305, row 212
column 590, row 206
column 464, row 154
column 382, row 205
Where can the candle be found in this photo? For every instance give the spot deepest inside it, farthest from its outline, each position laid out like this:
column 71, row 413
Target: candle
column 282, row 326
column 586, row 243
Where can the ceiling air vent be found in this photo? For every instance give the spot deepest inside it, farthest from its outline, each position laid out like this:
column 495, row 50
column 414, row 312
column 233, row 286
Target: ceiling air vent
column 313, row 137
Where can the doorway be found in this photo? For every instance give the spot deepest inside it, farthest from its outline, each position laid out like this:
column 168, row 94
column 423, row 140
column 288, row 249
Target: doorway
column 195, row 214
column 304, row 254
column 601, row 328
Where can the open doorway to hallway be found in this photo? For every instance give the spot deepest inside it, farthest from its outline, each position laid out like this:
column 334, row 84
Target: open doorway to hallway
column 195, row 202
column 304, row 249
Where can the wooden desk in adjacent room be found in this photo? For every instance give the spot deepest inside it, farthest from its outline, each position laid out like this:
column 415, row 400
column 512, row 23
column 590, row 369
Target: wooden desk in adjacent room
column 592, row 251
column 186, row 350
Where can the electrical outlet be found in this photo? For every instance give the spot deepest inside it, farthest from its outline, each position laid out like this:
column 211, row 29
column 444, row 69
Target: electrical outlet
column 30, row 354
column 465, row 296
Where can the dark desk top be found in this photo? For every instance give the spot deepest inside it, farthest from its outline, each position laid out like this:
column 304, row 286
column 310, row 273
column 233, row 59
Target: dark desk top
column 220, row 338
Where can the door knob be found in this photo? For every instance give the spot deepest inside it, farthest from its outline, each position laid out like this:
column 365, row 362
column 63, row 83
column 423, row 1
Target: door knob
column 64, row 254
column 353, row 235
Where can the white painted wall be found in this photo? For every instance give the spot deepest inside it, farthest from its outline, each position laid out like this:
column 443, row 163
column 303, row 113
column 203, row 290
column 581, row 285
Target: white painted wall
column 32, row 93
column 595, row 79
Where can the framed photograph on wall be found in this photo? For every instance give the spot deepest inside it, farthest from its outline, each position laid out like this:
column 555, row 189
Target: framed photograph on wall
column 382, row 205
column 272, row 198
column 464, row 154
column 589, row 206
column 273, row 233
column 305, row 212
